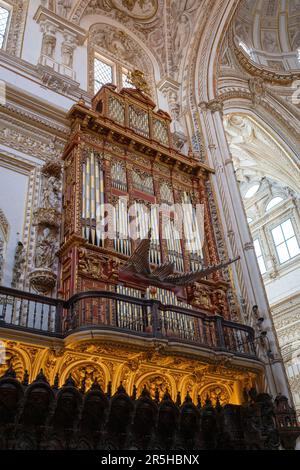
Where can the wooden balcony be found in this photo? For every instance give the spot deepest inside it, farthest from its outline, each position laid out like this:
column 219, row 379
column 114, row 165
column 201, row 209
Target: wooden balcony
column 103, row 310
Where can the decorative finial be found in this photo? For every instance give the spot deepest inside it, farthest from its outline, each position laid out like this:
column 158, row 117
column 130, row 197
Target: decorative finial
column 109, row 389
column 25, row 378
column 136, row 78
column 96, row 385
column 199, row 406
column 41, row 377
column 81, row 101
column 69, row 382
column 56, row 381
column 134, row 393
column 187, row 398
column 10, row 372
column 145, row 392
column 121, row 389
column 167, row 396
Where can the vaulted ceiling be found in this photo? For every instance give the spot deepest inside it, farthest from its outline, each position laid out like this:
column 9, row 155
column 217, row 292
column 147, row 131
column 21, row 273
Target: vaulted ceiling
column 166, row 27
column 269, row 28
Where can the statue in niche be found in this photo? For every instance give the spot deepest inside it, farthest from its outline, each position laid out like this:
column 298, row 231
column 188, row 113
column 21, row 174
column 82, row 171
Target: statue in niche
column 49, row 43
column 18, row 264
column 67, row 55
column 50, row 195
column 45, row 249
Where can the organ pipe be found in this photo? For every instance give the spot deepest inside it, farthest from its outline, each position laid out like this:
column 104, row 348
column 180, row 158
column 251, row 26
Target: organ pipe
column 93, row 200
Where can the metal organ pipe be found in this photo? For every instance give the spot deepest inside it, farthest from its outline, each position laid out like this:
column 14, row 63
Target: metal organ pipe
column 174, row 245
column 192, row 233
column 93, row 199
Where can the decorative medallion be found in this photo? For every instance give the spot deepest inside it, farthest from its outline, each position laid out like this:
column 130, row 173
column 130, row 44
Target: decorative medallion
column 42, row 280
column 138, row 9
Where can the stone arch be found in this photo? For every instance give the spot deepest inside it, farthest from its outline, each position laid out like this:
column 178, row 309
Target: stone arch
column 121, row 45
column 240, row 100
column 282, row 169
column 123, row 374
column 215, row 390
column 160, row 380
column 86, row 369
column 18, row 359
column 188, row 384
column 201, row 80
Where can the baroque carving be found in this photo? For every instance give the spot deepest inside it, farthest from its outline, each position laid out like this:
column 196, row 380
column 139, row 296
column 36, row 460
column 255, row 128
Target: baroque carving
column 45, row 248
column 17, row 26
column 137, row 9
column 42, row 280
column 157, row 386
column 215, row 393
column 19, row 261
column 97, row 266
column 257, row 89
column 85, row 375
column 117, row 43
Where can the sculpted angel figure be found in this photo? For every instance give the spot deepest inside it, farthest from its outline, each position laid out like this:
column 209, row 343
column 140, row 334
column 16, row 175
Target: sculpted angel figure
column 50, row 195
column 45, row 250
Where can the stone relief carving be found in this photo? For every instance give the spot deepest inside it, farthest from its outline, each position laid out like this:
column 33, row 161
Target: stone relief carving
column 137, row 9
column 64, row 7
column 269, row 41
column 47, row 219
column 257, row 89
column 48, row 45
column 50, row 193
column 67, row 52
column 85, row 375
column 17, row 26
column 215, row 393
column 18, row 264
column 156, row 385
column 45, row 249
column 121, row 46
column 37, row 144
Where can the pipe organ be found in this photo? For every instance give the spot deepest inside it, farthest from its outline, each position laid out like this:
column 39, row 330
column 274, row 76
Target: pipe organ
column 130, row 241
column 121, row 178
column 93, row 198
column 193, row 233
column 120, row 223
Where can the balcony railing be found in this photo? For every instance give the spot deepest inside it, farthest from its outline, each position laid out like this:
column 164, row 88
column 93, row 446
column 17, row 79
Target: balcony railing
column 117, row 312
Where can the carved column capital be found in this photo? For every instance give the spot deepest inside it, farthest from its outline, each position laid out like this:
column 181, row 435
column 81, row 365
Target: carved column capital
column 214, row 106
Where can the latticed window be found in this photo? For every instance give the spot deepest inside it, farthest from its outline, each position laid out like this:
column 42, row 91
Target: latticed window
column 285, row 240
column 106, row 71
column 4, row 19
column 103, row 73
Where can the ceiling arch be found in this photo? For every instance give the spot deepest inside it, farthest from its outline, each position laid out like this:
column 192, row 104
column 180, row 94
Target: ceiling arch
column 257, row 153
column 268, row 32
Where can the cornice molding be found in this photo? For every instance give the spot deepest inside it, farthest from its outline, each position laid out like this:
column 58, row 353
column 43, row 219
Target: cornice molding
column 44, row 76
column 43, row 14
column 284, row 78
